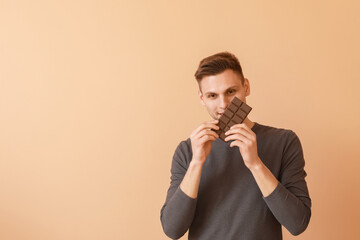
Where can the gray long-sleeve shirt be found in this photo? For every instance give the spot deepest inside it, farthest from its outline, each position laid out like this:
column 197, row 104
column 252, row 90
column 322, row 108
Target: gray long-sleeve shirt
column 229, row 203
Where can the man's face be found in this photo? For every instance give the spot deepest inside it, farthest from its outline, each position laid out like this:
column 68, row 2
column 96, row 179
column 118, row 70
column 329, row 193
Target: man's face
column 217, row 91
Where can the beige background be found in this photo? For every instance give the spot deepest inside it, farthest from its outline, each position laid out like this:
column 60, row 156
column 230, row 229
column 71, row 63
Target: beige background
column 96, row 95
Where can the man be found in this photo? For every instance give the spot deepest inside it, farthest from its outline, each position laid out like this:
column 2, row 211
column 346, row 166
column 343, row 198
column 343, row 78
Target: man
column 243, row 188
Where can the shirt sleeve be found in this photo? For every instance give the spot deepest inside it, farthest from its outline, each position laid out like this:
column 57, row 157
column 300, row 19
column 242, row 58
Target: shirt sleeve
column 178, row 211
column 290, row 201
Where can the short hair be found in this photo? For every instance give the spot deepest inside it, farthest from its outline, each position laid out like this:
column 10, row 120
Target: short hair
column 218, row 63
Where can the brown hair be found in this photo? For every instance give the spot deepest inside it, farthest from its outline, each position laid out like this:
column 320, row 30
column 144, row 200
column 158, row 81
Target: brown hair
column 218, row 63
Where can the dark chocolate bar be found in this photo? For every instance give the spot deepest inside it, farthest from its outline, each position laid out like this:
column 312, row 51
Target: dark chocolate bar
column 235, row 113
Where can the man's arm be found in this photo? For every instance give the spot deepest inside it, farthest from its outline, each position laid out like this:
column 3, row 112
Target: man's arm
column 290, row 202
column 190, row 183
column 288, row 199
column 179, row 208
column 266, row 181
column 245, row 139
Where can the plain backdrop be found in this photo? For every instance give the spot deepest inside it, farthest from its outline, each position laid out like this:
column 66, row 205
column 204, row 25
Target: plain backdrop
column 96, row 95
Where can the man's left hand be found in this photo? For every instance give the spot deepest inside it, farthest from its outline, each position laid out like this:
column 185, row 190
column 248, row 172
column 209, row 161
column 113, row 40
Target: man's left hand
column 245, row 139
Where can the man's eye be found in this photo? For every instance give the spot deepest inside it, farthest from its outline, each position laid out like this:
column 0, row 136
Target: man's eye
column 211, row 95
column 231, row 91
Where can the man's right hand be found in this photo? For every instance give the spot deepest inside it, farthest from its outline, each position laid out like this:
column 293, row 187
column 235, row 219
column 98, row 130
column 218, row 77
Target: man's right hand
column 201, row 140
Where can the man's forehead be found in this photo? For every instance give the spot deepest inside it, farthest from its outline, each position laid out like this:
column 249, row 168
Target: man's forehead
column 220, row 82
column 219, row 89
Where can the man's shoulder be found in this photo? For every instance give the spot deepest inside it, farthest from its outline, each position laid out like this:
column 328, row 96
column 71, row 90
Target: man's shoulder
column 269, row 137
column 183, row 154
column 271, row 131
column 185, row 143
column 184, row 147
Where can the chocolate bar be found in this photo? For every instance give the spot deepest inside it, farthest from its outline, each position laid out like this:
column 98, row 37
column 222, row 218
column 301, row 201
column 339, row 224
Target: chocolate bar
column 235, row 113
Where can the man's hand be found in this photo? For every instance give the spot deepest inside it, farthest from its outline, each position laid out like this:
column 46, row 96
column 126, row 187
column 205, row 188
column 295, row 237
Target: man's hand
column 245, row 139
column 201, row 140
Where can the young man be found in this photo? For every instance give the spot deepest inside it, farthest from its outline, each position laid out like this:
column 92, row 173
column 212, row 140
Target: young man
column 243, row 188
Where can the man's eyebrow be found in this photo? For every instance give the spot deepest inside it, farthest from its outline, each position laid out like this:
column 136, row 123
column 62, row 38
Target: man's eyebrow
column 206, row 93
column 232, row 87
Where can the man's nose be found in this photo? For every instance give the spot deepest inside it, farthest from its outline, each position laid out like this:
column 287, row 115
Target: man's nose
column 224, row 102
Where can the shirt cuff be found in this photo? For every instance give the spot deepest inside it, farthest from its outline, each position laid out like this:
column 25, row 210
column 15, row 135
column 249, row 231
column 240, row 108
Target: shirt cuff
column 274, row 195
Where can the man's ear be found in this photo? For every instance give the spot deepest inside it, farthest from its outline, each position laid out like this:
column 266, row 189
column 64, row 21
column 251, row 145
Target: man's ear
column 247, row 87
column 201, row 96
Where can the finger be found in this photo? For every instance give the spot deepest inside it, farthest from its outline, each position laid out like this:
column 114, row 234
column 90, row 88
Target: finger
column 235, row 144
column 237, row 137
column 207, row 138
column 202, row 133
column 207, row 132
column 206, row 125
column 239, row 131
column 242, row 126
column 238, row 144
